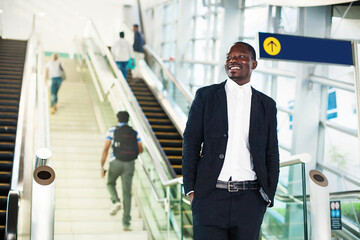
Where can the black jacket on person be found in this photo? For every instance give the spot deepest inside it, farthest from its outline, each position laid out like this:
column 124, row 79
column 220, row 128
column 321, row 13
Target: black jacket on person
column 206, row 136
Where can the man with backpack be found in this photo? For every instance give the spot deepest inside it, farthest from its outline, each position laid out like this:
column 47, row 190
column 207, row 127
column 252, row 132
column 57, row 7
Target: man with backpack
column 126, row 147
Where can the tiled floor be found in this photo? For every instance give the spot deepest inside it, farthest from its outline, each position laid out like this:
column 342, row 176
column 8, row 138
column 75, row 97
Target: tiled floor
column 82, row 200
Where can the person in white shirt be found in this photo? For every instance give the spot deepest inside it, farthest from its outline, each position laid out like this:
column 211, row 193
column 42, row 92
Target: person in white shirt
column 230, row 154
column 122, row 52
column 54, row 71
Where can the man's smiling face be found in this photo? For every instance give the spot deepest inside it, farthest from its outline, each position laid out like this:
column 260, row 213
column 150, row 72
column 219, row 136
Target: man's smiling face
column 239, row 63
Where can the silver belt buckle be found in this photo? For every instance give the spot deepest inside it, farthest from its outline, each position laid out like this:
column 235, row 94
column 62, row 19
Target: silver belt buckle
column 229, row 185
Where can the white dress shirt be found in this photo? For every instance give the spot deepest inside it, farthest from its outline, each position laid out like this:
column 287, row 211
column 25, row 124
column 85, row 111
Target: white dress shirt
column 238, row 163
column 122, row 50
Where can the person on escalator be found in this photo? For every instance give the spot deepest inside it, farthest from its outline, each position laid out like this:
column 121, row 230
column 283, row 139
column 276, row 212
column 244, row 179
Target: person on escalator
column 54, row 71
column 138, row 47
column 126, row 146
column 122, row 53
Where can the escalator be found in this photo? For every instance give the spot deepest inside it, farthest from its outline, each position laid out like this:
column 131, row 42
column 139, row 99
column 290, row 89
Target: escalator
column 12, row 58
column 165, row 131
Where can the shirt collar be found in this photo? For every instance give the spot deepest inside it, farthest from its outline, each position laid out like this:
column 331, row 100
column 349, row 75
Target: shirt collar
column 121, row 124
column 233, row 86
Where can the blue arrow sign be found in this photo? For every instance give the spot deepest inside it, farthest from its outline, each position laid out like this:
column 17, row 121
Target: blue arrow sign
column 305, row 49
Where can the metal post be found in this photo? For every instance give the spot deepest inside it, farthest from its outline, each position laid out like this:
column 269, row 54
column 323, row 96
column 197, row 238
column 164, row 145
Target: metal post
column 303, row 172
column 43, row 197
column 181, row 213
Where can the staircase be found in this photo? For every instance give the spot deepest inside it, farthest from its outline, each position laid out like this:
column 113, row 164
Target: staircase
column 12, row 58
column 165, row 131
column 82, row 200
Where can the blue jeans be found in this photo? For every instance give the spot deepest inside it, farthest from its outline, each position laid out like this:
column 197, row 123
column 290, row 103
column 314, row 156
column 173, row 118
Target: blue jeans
column 55, row 86
column 123, row 66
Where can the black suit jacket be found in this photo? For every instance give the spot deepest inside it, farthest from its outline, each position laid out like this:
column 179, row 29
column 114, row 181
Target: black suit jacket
column 206, row 136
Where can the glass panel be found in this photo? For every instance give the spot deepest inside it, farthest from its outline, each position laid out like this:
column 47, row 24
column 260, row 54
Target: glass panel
column 285, row 130
column 201, row 27
column 255, row 20
column 285, row 220
column 342, row 108
column 288, row 19
column 341, row 151
column 285, row 90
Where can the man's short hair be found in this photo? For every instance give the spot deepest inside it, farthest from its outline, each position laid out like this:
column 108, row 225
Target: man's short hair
column 136, row 25
column 122, row 34
column 123, row 116
column 250, row 48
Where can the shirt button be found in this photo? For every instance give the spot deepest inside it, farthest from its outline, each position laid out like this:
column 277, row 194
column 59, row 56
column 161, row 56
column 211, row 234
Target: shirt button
column 225, row 135
column 221, row 156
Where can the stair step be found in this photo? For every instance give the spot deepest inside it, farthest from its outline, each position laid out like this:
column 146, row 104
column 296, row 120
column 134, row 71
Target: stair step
column 8, row 115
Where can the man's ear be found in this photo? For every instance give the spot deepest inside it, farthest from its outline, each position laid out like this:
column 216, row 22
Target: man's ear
column 254, row 65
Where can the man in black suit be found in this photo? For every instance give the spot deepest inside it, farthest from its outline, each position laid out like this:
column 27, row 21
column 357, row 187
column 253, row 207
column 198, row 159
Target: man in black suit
column 230, row 155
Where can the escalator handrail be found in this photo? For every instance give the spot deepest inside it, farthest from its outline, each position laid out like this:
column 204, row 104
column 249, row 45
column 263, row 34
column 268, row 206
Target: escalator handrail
column 17, row 174
column 121, row 85
column 347, row 177
column 178, row 84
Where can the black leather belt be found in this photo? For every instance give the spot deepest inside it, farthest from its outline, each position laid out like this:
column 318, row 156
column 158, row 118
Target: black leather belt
column 234, row 186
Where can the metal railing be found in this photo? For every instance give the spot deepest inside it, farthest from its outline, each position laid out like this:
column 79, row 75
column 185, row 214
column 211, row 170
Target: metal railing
column 23, row 134
column 32, row 133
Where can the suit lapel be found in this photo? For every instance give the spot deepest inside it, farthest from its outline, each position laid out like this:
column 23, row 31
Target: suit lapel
column 222, row 105
column 255, row 116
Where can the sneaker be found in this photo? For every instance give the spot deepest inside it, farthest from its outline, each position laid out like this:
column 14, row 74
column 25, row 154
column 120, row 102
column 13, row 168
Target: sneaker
column 127, row 229
column 115, row 208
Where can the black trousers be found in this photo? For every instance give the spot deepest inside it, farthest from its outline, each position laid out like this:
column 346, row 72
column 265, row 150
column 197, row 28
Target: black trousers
column 225, row 215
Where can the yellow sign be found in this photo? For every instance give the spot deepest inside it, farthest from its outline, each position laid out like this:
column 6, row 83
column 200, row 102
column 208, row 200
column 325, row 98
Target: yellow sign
column 272, row 46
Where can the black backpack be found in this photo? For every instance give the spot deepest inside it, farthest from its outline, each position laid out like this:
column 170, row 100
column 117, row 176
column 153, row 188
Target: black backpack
column 125, row 145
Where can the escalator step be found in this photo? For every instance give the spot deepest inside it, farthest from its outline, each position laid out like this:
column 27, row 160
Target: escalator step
column 5, row 176
column 4, row 188
column 141, row 93
column 9, row 96
column 3, row 202
column 9, row 86
column 6, row 102
column 6, row 166
column 7, row 137
column 167, row 135
column 7, row 146
column 10, row 122
column 170, row 151
column 155, row 115
column 7, row 129
column 155, row 121
column 9, row 90
column 152, row 109
column 6, row 155
column 175, row 160
column 164, row 128
column 8, row 115
column 170, row 143
column 2, row 217
column 8, row 108
column 148, row 103
column 140, row 88
column 11, row 73
column 146, row 98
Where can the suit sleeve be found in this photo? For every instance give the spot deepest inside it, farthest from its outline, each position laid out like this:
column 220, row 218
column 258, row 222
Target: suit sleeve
column 272, row 154
column 193, row 139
